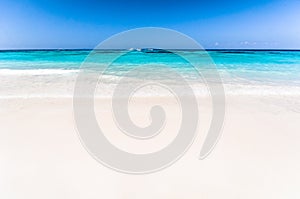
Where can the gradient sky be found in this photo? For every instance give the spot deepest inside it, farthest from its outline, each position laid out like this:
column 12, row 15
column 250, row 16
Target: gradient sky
column 213, row 23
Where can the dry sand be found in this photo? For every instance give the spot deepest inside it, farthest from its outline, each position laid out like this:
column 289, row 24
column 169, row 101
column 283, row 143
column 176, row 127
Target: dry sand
column 258, row 155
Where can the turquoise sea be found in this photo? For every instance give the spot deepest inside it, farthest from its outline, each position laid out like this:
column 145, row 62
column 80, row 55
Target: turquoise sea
column 257, row 68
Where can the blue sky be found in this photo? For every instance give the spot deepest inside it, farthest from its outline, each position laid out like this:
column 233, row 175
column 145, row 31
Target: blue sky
column 213, row 23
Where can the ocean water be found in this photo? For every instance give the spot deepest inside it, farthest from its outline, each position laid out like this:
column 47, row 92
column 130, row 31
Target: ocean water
column 31, row 72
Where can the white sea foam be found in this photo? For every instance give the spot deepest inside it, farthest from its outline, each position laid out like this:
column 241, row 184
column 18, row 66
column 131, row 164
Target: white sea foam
column 51, row 83
column 37, row 72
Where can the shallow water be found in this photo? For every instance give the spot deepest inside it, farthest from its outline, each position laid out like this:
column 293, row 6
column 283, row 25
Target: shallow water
column 247, row 71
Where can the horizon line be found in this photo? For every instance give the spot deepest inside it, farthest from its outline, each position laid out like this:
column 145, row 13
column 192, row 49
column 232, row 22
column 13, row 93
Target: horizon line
column 207, row 49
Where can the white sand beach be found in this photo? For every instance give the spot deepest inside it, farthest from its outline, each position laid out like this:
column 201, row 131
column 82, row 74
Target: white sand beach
column 257, row 156
column 149, row 99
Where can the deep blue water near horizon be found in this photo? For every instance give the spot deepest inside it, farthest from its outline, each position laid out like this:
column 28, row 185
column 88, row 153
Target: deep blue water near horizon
column 279, row 67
